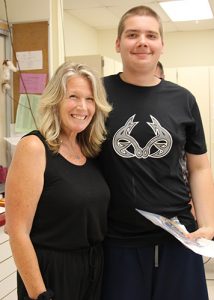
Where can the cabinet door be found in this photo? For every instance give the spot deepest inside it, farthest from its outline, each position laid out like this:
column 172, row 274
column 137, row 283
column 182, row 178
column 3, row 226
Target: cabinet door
column 171, row 74
column 211, row 69
column 108, row 66
column 11, row 296
column 7, row 269
column 2, row 110
column 111, row 66
column 118, row 67
column 94, row 61
column 196, row 79
column 8, row 285
column 5, row 250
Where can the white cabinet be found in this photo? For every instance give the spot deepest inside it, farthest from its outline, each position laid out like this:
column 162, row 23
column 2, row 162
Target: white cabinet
column 103, row 65
column 7, row 269
column 211, row 84
column 171, row 74
column 200, row 81
column 111, row 66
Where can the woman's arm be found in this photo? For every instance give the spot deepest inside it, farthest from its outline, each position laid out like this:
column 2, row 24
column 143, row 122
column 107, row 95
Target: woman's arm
column 202, row 191
column 24, row 185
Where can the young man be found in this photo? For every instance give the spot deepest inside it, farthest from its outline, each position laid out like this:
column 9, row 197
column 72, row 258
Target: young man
column 153, row 121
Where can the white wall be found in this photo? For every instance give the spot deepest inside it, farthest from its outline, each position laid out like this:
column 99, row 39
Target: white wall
column 106, row 43
column 80, row 39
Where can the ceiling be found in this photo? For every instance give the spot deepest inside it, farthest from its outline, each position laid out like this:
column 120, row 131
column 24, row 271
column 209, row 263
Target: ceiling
column 105, row 14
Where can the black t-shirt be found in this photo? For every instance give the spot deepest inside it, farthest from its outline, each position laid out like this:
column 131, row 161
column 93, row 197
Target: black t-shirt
column 72, row 209
column 148, row 130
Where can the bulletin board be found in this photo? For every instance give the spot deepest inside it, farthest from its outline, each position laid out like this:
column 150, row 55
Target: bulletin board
column 29, row 37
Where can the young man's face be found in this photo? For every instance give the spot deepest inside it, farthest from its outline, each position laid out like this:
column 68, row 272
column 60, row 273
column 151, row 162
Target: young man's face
column 140, row 44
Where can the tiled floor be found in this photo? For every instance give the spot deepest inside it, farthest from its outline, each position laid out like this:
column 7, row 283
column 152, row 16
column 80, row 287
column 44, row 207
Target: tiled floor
column 209, row 268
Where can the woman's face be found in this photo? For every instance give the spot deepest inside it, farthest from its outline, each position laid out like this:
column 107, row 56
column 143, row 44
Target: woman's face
column 78, row 107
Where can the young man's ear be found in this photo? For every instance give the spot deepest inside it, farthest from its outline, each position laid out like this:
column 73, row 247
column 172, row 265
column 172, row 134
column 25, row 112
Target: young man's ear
column 162, row 48
column 117, row 45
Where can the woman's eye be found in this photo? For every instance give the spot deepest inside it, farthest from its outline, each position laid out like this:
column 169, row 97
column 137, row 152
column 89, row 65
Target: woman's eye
column 90, row 99
column 72, row 97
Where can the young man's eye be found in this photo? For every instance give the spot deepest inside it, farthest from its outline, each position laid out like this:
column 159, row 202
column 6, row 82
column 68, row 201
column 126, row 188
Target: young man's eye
column 132, row 35
column 152, row 36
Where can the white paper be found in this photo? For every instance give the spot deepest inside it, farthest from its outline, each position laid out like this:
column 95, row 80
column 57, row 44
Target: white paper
column 2, row 210
column 200, row 246
column 30, row 60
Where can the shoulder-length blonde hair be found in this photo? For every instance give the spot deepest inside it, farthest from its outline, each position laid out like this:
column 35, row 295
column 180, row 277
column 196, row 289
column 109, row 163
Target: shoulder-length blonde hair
column 91, row 138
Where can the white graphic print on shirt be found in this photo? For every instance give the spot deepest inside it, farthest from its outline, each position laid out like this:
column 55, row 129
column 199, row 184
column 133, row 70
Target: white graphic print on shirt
column 122, row 141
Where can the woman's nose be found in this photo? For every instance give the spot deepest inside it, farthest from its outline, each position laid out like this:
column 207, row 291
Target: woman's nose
column 81, row 103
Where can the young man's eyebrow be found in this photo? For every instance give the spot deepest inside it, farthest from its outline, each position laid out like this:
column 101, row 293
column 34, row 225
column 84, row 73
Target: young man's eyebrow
column 131, row 30
column 138, row 30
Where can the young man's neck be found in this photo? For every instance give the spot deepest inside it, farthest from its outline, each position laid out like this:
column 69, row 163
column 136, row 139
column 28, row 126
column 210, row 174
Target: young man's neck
column 139, row 78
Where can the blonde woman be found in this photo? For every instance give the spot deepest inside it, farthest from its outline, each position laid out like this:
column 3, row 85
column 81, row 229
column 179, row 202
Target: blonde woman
column 56, row 197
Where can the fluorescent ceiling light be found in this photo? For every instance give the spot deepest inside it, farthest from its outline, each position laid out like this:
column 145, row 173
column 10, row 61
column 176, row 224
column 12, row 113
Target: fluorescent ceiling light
column 187, row 10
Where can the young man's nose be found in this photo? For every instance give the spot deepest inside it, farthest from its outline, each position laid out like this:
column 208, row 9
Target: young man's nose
column 142, row 41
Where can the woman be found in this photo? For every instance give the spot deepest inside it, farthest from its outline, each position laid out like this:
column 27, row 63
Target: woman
column 56, row 198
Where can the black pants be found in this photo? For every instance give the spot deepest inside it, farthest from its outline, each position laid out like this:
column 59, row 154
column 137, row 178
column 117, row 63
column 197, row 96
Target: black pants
column 71, row 275
column 167, row 272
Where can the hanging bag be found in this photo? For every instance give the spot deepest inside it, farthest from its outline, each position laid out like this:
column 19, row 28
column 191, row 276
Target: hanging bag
column 3, row 174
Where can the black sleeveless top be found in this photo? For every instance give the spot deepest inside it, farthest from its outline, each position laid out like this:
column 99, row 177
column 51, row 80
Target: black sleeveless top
column 72, row 209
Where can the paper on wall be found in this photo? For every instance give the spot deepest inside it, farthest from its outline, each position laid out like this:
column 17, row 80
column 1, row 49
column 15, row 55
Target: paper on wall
column 30, row 60
column 200, row 246
column 33, row 83
column 25, row 112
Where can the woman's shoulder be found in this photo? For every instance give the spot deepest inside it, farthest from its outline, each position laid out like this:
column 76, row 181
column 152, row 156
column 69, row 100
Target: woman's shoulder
column 31, row 142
